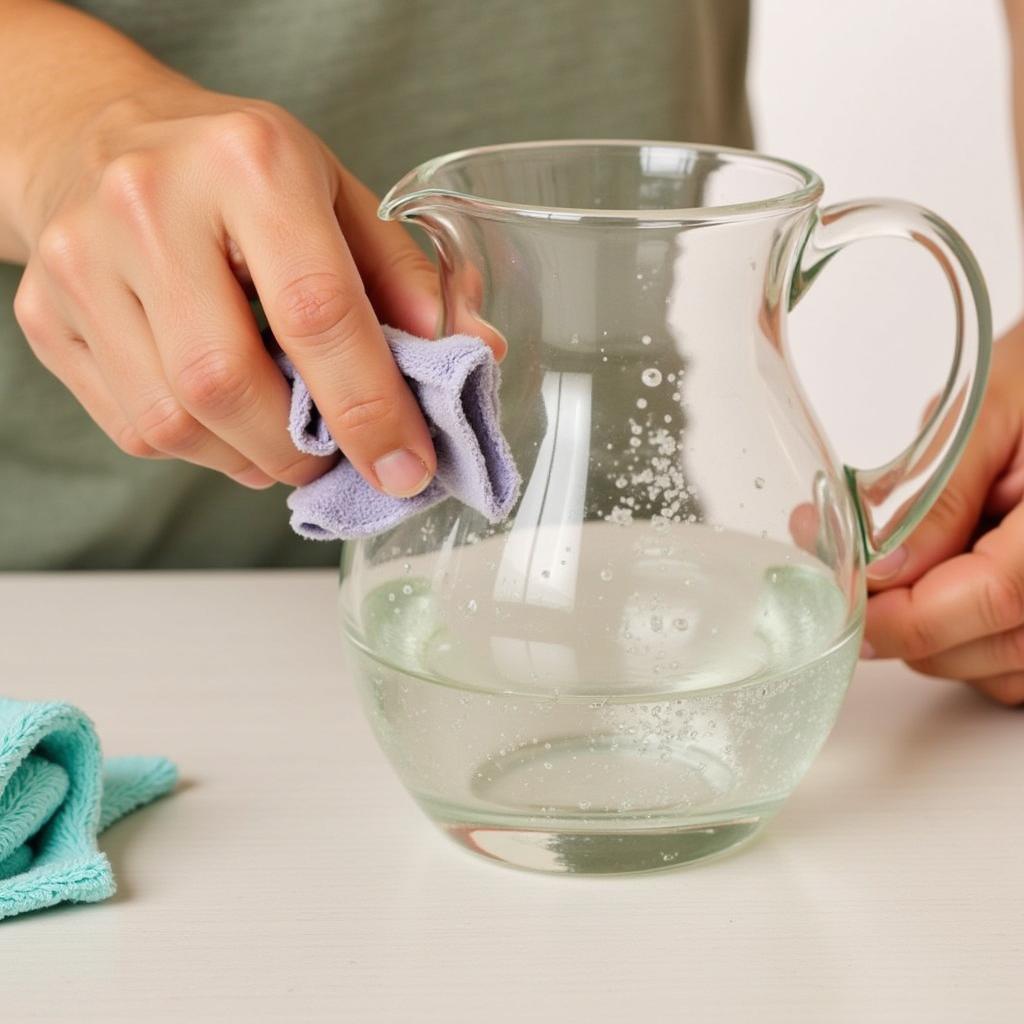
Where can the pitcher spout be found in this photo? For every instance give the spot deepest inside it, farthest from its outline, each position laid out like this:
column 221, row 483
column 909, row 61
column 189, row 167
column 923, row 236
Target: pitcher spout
column 412, row 197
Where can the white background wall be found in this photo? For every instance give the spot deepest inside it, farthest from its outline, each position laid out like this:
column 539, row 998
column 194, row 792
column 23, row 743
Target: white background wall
column 907, row 98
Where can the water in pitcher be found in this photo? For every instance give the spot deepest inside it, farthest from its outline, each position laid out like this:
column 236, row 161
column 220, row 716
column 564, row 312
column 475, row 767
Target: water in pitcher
column 671, row 705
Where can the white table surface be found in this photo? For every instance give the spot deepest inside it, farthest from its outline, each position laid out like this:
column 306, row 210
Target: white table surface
column 292, row 879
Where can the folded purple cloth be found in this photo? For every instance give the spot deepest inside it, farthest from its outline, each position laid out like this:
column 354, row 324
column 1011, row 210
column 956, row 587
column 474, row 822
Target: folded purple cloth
column 455, row 381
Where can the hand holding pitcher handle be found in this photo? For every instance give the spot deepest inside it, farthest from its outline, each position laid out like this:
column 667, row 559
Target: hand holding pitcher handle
column 893, row 498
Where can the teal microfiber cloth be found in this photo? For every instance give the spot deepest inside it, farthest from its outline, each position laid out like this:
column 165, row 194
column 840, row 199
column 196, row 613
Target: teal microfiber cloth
column 56, row 795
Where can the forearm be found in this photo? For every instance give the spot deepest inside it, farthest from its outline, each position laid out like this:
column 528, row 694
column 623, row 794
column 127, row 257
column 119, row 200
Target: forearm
column 58, row 67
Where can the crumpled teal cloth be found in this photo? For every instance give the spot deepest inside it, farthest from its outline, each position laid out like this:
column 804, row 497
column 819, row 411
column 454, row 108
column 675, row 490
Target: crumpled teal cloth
column 56, row 795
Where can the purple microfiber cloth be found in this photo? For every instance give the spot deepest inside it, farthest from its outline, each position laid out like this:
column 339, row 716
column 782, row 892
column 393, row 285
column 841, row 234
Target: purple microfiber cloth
column 456, row 382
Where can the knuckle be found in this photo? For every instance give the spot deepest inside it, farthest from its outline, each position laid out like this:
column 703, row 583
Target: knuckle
column 316, row 307
column 1001, row 602
column 300, row 470
column 216, row 382
column 951, row 507
column 61, row 252
column 129, row 441
column 130, row 185
column 404, row 263
column 249, row 138
column 168, row 427
column 361, row 413
column 31, row 311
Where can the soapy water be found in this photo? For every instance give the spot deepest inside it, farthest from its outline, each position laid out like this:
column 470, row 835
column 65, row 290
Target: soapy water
column 648, row 696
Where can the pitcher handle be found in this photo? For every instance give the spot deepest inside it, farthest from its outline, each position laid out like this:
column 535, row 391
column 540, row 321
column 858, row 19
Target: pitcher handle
column 892, row 499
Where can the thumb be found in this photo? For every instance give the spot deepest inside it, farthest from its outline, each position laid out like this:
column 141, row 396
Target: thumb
column 948, row 527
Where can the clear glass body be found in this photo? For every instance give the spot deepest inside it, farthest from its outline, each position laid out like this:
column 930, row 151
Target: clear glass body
column 637, row 667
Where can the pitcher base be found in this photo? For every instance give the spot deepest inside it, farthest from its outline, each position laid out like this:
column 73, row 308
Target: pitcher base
column 602, row 853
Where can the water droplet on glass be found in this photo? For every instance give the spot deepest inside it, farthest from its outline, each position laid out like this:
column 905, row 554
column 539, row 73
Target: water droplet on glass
column 759, row 482
column 606, row 574
column 651, row 376
column 656, row 623
column 641, row 403
column 547, row 746
column 406, row 568
column 667, row 418
column 407, row 590
column 548, row 765
column 584, row 805
column 545, row 573
column 574, row 340
column 681, row 624
column 391, row 595
column 471, row 607
column 645, row 340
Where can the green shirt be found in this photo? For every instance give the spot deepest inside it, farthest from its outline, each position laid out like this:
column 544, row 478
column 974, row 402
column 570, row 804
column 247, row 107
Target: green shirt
column 387, row 84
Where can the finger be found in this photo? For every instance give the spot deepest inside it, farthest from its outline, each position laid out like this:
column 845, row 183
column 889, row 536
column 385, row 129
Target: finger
column 402, row 284
column 68, row 358
column 804, row 525
column 217, row 365
column 320, row 315
column 119, row 336
column 950, row 523
column 1006, row 689
column 994, row 655
column 967, row 597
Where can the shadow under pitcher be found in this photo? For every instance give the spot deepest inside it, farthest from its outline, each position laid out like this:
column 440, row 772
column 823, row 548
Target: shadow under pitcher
column 636, row 669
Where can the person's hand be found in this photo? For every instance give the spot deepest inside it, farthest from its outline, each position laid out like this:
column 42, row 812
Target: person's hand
column 150, row 224
column 950, row 600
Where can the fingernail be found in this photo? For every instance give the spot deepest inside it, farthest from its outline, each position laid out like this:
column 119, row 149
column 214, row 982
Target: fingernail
column 254, row 478
column 401, row 473
column 867, row 652
column 888, row 566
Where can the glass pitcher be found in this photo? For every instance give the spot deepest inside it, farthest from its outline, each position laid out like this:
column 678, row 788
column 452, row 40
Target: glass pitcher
column 637, row 667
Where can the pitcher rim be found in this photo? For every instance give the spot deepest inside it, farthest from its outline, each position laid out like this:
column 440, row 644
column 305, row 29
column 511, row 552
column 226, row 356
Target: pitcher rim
column 398, row 206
